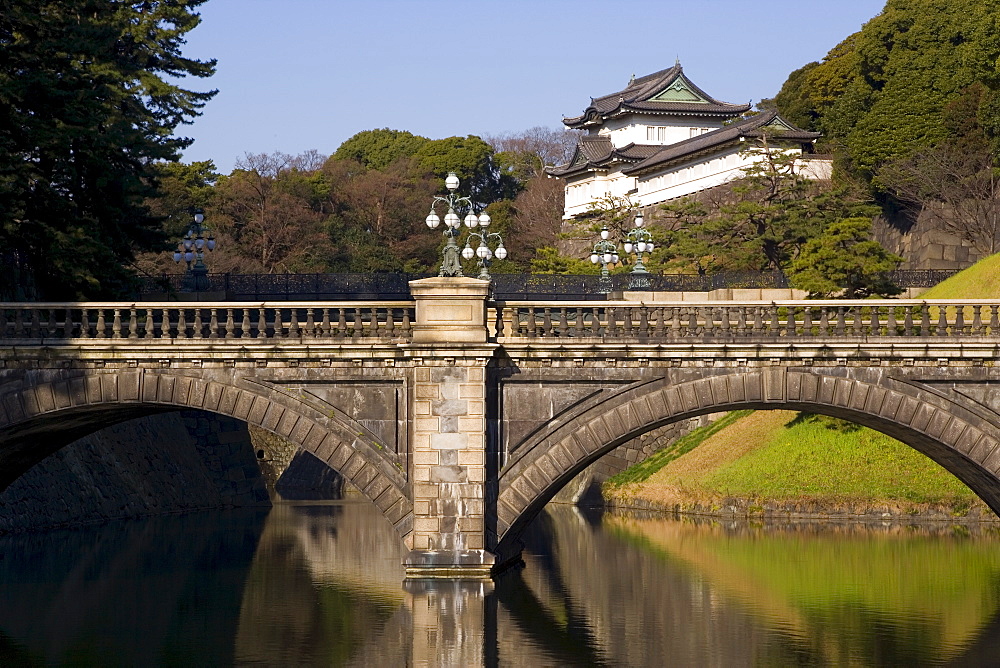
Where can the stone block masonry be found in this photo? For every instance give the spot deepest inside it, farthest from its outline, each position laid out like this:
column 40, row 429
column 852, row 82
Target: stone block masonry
column 448, row 432
column 155, row 465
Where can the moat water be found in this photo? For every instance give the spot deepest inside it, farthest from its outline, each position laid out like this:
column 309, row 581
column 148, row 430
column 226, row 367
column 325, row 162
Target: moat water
column 321, row 585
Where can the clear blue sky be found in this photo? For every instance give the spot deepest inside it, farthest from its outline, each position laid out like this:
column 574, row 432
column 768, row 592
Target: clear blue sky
column 295, row 75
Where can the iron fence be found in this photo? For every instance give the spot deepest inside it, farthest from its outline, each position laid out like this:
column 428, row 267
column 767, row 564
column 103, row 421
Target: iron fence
column 393, row 286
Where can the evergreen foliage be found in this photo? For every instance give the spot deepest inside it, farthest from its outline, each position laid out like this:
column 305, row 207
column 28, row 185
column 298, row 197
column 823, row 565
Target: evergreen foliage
column 882, row 92
column 760, row 223
column 843, row 261
column 377, row 149
column 88, row 105
column 471, row 159
column 360, row 210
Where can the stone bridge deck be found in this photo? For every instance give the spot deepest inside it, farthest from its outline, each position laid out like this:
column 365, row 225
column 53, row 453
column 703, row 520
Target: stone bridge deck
column 460, row 417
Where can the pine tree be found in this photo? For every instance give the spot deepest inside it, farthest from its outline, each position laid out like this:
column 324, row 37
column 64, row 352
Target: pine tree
column 86, row 112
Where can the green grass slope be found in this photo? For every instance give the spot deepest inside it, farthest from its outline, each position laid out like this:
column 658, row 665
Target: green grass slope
column 980, row 281
column 792, row 459
column 784, row 457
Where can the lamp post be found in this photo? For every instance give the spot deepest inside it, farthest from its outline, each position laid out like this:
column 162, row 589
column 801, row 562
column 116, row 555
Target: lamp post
column 638, row 240
column 605, row 253
column 191, row 249
column 451, row 264
column 483, row 252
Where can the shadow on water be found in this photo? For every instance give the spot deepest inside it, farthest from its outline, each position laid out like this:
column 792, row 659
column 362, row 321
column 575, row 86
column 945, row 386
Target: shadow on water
column 162, row 591
column 569, row 639
column 559, row 628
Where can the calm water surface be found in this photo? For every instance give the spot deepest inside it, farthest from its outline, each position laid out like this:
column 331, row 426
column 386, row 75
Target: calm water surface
column 321, row 585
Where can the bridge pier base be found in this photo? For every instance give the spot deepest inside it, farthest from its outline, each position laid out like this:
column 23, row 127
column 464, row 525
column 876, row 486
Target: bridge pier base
column 449, row 357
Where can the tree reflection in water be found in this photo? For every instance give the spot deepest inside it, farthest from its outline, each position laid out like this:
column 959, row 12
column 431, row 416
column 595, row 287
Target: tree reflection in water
column 321, row 584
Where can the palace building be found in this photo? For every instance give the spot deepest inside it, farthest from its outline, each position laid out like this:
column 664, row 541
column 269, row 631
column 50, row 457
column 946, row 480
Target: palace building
column 663, row 137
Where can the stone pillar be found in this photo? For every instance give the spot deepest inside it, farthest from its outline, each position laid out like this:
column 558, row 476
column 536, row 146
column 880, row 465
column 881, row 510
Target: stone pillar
column 449, row 354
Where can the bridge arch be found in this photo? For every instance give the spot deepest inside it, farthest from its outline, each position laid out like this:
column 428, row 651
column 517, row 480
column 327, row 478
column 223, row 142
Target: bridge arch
column 44, row 410
column 958, row 434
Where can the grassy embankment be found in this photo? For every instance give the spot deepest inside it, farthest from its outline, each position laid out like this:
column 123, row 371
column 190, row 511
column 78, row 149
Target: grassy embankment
column 783, row 462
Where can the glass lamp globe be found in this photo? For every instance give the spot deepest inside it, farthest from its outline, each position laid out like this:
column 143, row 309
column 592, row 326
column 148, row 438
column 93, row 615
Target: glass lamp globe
column 483, row 252
column 468, row 253
column 452, row 220
column 607, row 258
column 639, row 222
column 432, row 220
column 484, row 220
column 615, row 258
column 471, row 220
column 451, row 183
column 177, row 256
column 199, row 217
column 641, row 246
column 199, row 243
column 628, row 246
column 211, row 243
column 594, row 258
column 605, row 234
column 188, row 256
column 501, row 252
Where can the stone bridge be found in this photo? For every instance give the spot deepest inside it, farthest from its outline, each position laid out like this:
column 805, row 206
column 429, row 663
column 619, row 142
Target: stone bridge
column 460, row 417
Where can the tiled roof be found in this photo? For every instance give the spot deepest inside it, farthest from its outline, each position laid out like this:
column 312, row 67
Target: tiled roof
column 637, row 96
column 596, row 148
column 597, row 151
column 752, row 127
column 639, row 151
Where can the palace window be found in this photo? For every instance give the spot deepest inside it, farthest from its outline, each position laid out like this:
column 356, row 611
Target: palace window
column 656, row 133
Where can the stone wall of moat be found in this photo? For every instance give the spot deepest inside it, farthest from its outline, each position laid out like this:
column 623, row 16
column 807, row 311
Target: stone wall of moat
column 162, row 464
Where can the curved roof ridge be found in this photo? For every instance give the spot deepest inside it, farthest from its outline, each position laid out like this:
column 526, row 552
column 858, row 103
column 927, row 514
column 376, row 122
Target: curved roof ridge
column 638, row 95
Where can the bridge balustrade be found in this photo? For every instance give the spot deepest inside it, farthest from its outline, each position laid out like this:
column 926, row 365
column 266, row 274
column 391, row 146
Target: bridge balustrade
column 45, row 322
column 394, row 320
column 834, row 318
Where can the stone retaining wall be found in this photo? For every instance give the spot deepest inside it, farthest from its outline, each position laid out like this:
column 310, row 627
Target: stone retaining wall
column 169, row 463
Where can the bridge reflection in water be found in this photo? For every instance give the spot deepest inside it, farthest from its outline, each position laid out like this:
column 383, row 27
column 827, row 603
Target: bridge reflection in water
column 323, row 585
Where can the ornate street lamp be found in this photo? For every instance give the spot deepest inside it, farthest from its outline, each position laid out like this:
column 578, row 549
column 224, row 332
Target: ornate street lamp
column 605, row 253
column 191, row 249
column 639, row 241
column 483, row 253
column 451, row 264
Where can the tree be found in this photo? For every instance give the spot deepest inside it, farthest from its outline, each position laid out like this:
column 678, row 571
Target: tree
column 955, row 182
column 844, row 262
column 472, row 160
column 377, row 149
column 183, row 189
column 880, row 94
column 548, row 260
column 537, row 217
column 86, row 110
column 523, row 155
column 759, row 222
column 266, row 218
column 376, row 218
